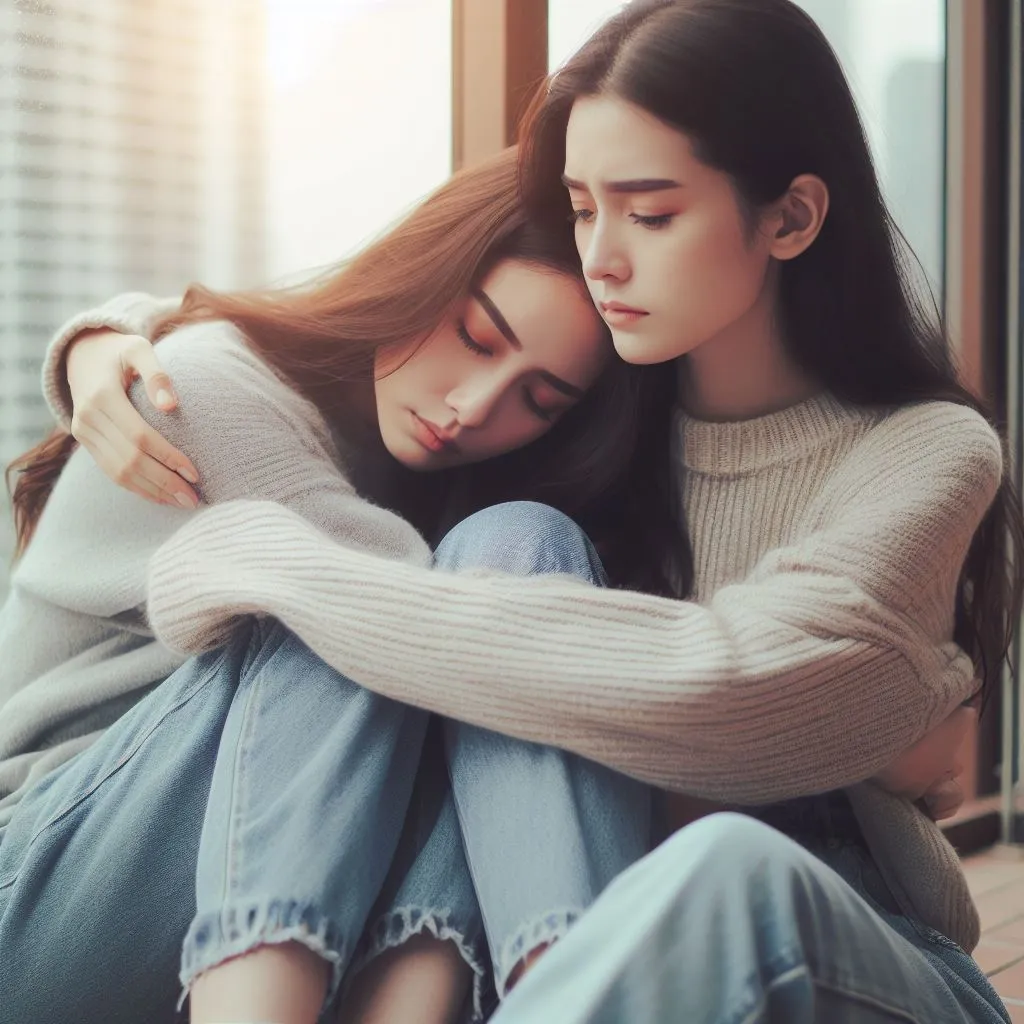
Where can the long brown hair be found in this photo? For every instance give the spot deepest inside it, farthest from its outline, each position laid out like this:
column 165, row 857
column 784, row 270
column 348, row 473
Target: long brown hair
column 761, row 96
column 401, row 287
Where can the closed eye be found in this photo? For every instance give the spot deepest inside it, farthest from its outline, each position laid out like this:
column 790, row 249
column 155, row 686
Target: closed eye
column 654, row 222
column 470, row 342
column 538, row 410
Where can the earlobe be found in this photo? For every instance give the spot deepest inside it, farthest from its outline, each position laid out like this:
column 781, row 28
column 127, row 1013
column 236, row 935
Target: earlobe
column 801, row 214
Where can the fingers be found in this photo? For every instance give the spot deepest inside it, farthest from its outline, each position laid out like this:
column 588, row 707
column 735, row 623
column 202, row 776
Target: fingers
column 132, row 434
column 110, row 463
column 139, row 357
column 126, row 459
column 944, row 799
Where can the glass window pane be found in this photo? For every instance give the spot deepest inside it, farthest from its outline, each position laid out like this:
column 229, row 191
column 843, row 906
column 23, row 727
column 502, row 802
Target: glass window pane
column 894, row 55
column 360, row 121
column 571, row 22
column 235, row 142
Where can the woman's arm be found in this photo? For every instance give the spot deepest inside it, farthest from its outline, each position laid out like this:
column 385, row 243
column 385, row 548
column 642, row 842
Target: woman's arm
column 817, row 671
column 89, row 365
column 250, row 436
column 133, row 313
column 101, row 367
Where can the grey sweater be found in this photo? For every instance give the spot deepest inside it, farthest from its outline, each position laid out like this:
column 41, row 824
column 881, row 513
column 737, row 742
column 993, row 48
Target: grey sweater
column 828, row 542
column 76, row 650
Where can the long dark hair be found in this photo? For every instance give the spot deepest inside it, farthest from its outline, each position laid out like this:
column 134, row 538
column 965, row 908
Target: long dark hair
column 401, row 287
column 761, row 97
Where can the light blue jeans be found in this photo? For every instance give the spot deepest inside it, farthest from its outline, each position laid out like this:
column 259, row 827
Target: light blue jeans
column 258, row 796
column 731, row 922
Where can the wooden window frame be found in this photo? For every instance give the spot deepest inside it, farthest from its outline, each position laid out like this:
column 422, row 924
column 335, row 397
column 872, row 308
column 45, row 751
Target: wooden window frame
column 499, row 57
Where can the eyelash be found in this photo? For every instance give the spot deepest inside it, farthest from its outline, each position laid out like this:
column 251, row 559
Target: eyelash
column 470, row 342
column 547, row 415
column 652, row 223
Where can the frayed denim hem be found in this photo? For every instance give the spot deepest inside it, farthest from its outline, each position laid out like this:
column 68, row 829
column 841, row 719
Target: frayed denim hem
column 216, row 937
column 548, row 929
column 399, row 925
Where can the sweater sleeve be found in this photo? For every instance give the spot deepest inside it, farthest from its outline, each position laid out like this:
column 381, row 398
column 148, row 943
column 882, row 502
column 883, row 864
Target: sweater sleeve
column 830, row 659
column 250, row 435
column 130, row 313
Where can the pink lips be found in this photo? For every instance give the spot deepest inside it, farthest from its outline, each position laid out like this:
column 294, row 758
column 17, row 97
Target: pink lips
column 432, row 436
column 619, row 314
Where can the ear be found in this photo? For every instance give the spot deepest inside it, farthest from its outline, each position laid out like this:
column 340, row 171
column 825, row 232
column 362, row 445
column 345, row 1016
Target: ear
column 797, row 218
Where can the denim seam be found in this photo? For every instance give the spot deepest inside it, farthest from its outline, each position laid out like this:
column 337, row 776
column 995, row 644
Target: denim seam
column 757, row 1013
column 437, row 922
column 239, row 788
column 125, row 758
column 867, row 999
column 783, row 964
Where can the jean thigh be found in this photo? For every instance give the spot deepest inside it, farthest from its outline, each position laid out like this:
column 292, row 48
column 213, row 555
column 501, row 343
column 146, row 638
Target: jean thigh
column 97, row 864
column 954, row 965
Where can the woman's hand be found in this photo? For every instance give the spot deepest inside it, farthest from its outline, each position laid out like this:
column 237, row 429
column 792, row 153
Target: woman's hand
column 929, row 771
column 101, row 366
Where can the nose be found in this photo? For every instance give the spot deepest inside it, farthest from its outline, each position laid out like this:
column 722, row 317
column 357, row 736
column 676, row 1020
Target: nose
column 474, row 400
column 602, row 254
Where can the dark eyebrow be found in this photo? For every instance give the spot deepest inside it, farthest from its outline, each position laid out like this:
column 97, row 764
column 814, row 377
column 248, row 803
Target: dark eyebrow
column 634, row 185
column 561, row 385
column 570, row 390
column 495, row 314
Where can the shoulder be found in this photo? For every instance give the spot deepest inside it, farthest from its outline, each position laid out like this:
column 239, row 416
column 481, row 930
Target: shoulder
column 943, row 432
column 922, row 470
column 220, row 378
column 926, row 447
column 214, row 350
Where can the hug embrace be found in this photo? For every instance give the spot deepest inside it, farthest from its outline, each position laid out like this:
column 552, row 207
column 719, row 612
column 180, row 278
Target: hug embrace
column 569, row 609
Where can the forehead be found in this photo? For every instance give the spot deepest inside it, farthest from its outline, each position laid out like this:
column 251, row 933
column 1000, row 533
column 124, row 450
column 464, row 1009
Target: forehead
column 525, row 291
column 552, row 317
column 610, row 139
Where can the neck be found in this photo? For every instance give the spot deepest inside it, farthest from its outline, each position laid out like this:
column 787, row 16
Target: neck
column 356, row 409
column 744, row 372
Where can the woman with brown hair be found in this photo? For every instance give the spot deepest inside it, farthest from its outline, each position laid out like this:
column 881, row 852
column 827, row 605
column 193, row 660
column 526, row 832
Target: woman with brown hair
column 240, row 811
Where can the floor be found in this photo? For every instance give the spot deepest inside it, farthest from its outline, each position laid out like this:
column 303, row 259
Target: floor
column 996, row 878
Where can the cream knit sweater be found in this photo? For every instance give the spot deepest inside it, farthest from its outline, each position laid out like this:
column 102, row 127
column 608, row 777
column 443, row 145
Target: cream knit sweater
column 828, row 541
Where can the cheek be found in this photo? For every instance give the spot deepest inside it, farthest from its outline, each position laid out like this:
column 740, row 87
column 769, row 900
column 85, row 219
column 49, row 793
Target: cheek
column 509, row 432
column 716, row 274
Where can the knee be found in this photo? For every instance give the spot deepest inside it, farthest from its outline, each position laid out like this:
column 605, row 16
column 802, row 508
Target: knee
column 522, row 538
column 733, row 850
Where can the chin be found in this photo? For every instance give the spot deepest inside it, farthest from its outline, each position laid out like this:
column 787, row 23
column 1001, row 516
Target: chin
column 413, row 456
column 646, row 351
column 637, row 351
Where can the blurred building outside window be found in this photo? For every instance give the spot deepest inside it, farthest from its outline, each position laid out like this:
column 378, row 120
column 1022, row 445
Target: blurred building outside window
column 144, row 145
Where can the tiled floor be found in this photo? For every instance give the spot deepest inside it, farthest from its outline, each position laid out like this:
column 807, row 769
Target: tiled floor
column 996, row 878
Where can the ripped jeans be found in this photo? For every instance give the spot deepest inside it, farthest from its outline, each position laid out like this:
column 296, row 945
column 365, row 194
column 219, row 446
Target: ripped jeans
column 257, row 796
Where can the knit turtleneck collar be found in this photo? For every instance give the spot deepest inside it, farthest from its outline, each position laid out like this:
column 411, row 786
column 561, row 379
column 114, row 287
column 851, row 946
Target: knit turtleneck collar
column 746, row 446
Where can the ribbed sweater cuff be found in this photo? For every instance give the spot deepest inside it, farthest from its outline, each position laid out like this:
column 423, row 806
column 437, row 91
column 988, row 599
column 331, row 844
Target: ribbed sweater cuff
column 128, row 314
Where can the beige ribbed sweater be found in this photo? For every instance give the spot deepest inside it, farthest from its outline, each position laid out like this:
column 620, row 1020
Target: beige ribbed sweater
column 828, row 541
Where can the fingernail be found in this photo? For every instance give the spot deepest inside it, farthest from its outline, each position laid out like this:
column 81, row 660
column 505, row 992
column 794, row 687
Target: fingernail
column 164, row 397
column 188, row 475
column 185, row 500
